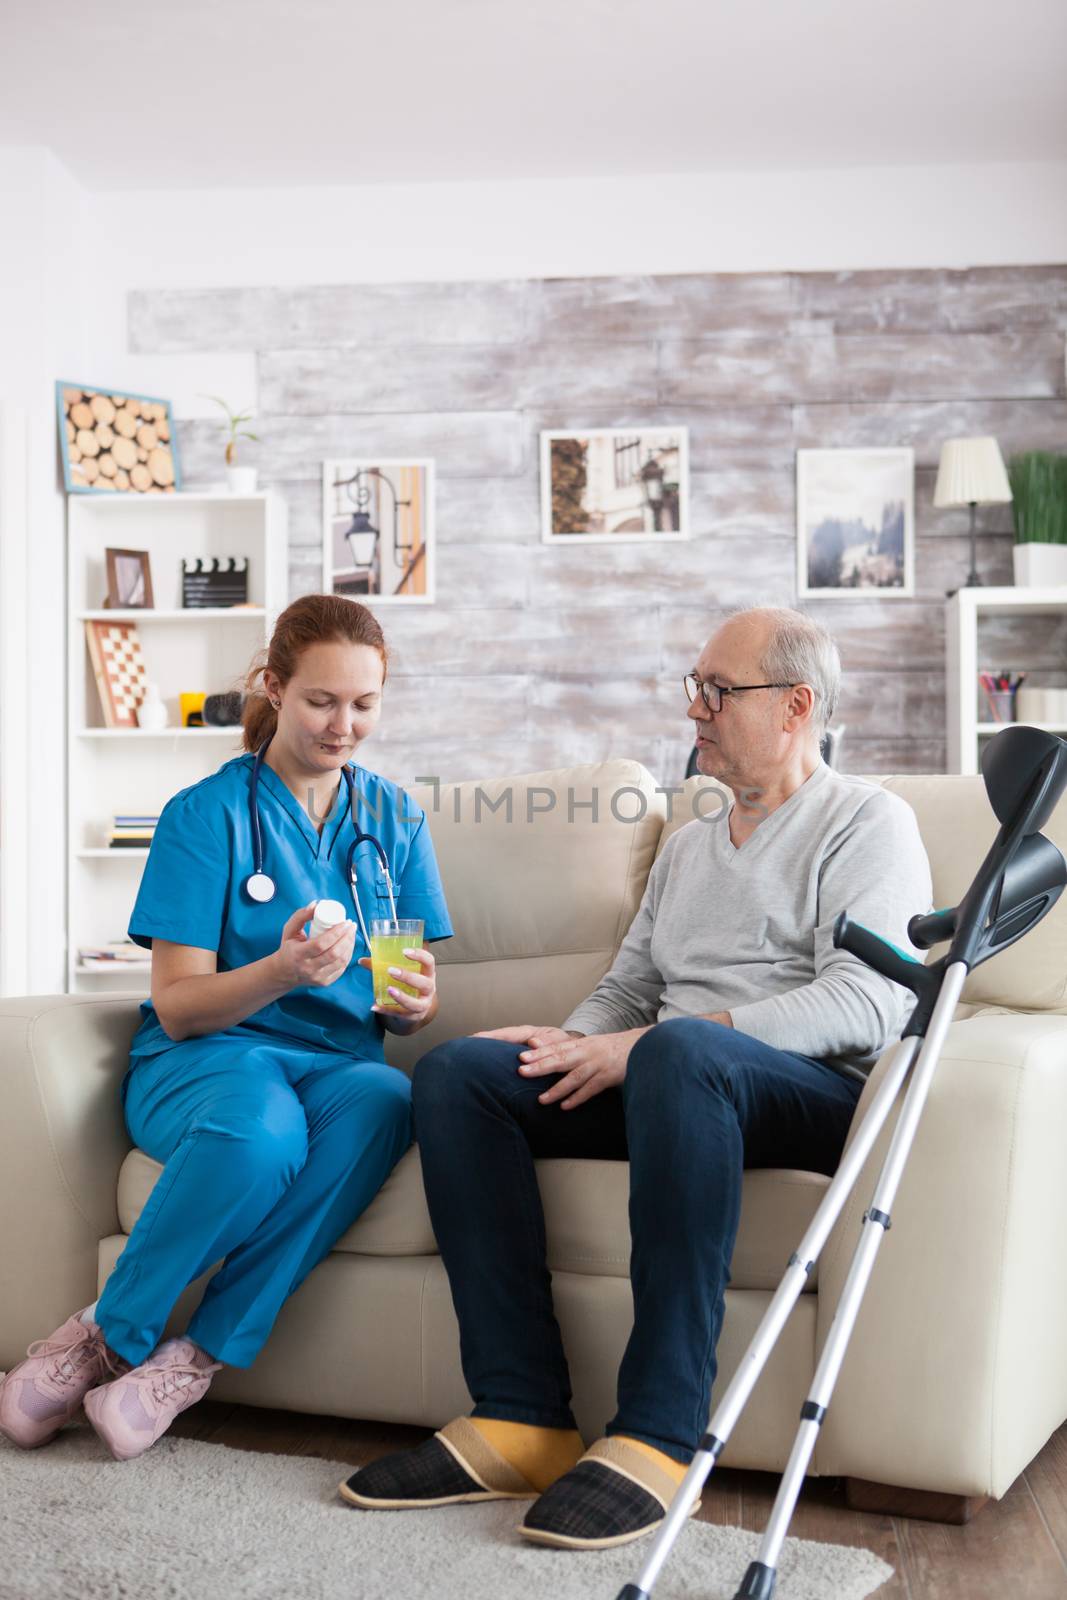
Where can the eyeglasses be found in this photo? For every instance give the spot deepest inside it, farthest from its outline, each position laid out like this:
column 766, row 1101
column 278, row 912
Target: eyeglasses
column 713, row 694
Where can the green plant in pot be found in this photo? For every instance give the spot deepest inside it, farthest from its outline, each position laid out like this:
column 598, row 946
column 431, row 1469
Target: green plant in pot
column 1039, row 505
column 239, row 480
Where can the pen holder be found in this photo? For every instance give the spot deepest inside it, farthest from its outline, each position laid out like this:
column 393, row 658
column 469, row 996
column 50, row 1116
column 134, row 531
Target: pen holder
column 1002, row 704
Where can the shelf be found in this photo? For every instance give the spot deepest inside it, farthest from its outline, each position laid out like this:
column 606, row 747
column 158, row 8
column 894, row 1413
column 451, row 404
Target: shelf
column 133, row 853
column 186, row 614
column 998, row 727
column 1007, row 601
column 187, row 648
column 112, row 969
column 183, row 497
column 233, row 732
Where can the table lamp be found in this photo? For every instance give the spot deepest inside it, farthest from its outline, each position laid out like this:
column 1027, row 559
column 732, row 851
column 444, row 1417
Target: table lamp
column 971, row 473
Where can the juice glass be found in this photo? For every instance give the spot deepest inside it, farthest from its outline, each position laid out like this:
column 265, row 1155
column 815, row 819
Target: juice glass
column 389, row 938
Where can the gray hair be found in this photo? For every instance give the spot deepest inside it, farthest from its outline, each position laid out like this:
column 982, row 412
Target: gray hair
column 800, row 650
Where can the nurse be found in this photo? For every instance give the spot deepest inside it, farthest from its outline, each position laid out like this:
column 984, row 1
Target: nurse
column 257, row 1076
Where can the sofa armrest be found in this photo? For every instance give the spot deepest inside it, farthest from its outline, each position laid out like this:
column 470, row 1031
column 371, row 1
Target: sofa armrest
column 62, row 1142
column 955, row 1375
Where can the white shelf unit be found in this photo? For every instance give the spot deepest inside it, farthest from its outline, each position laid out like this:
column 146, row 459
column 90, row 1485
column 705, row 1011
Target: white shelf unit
column 964, row 613
column 131, row 771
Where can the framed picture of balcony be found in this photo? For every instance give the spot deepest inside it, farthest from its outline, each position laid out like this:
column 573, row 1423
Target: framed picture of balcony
column 614, row 485
column 378, row 530
column 855, row 523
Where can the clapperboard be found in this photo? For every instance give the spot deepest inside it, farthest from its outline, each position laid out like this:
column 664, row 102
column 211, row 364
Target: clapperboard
column 214, row 581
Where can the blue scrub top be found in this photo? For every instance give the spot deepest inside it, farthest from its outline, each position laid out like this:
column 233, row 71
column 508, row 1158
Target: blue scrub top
column 193, row 892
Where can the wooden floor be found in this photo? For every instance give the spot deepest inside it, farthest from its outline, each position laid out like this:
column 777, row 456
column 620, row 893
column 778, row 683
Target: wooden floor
column 1015, row 1548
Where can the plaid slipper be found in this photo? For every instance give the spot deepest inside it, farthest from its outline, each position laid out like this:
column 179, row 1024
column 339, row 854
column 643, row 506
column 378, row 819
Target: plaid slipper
column 456, row 1466
column 613, row 1495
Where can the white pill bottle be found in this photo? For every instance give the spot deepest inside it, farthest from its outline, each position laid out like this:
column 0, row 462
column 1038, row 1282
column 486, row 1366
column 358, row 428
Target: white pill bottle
column 328, row 913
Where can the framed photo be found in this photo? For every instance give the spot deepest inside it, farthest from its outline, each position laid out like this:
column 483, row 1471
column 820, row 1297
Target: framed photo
column 614, row 485
column 129, row 580
column 378, row 530
column 119, row 670
column 116, row 443
column 855, row 523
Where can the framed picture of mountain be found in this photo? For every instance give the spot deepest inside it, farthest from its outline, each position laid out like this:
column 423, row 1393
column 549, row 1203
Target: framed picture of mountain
column 855, row 523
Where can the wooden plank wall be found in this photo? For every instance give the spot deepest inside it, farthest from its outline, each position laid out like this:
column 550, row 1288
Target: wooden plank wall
column 536, row 657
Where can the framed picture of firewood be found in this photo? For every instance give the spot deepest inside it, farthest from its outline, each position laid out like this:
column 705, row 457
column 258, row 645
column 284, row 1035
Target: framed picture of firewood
column 116, row 443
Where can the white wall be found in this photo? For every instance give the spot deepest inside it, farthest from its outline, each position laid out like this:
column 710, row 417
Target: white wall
column 849, row 218
column 45, row 298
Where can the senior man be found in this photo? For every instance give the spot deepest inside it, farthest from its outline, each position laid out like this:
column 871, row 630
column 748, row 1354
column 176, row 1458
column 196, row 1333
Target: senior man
column 728, row 1033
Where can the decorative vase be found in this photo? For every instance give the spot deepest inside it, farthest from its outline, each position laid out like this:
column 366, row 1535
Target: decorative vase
column 151, row 713
column 1040, row 566
column 241, row 480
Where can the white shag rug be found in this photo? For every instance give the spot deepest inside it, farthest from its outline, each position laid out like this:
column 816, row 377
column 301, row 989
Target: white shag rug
column 196, row 1521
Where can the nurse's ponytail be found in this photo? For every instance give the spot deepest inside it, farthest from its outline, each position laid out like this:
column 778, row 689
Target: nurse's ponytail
column 313, row 619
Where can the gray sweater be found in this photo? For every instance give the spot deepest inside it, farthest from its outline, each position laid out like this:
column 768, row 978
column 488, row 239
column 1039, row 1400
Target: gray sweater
column 749, row 930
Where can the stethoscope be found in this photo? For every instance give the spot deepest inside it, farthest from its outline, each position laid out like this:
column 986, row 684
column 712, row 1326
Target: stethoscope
column 261, row 887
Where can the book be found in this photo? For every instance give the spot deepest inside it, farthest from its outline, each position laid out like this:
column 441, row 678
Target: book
column 108, row 964
column 115, row 952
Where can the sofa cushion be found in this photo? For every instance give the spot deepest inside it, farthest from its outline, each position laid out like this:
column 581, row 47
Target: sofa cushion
column 543, row 873
column 586, row 1220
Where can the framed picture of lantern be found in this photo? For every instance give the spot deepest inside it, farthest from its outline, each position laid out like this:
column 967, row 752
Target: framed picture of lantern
column 114, row 443
column 614, row 485
column 378, row 529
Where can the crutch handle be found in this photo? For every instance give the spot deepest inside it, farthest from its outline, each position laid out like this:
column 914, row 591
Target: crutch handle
column 933, row 927
column 878, row 953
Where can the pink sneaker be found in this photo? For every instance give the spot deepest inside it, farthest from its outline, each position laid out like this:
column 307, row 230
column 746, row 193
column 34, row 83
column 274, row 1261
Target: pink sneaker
column 41, row 1394
column 133, row 1411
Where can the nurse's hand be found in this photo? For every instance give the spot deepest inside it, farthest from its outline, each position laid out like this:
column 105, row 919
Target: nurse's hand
column 410, row 1012
column 314, row 963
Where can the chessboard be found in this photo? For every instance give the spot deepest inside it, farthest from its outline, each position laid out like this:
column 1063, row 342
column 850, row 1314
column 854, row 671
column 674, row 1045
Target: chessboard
column 119, row 669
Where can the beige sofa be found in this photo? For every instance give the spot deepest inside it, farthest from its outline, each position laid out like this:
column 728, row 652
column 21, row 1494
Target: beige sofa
column 956, row 1375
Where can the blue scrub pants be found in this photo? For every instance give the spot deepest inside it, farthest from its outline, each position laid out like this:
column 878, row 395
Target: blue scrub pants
column 700, row 1102
column 269, row 1154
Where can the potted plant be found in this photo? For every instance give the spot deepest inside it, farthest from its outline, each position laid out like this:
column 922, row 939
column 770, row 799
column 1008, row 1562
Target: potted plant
column 239, row 480
column 1039, row 505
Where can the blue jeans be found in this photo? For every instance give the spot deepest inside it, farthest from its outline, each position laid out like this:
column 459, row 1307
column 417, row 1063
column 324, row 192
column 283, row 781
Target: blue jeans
column 699, row 1103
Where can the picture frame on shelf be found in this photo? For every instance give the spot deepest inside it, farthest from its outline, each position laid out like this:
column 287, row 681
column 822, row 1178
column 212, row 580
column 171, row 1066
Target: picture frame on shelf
column 379, row 530
column 113, row 442
column 614, row 485
column 856, row 523
column 119, row 669
column 129, row 580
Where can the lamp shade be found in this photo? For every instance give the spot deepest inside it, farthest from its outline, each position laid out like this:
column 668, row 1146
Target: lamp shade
column 971, row 472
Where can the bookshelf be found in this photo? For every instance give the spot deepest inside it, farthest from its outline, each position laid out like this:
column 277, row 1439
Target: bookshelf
column 112, row 770
column 964, row 614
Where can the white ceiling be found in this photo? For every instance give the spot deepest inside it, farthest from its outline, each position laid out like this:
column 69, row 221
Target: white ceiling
column 196, row 93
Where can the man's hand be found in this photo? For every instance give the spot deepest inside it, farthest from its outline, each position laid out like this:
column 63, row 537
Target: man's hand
column 527, row 1033
column 590, row 1065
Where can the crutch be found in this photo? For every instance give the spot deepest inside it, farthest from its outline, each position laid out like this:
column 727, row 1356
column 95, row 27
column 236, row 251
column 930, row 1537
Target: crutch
column 1021, row 878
